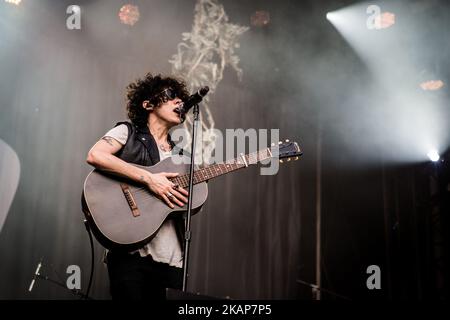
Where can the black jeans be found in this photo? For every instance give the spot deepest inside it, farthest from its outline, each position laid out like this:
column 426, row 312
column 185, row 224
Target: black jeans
column 133, row 277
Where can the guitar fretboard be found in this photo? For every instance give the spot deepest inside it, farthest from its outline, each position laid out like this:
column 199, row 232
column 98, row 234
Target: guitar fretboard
column 218, row 169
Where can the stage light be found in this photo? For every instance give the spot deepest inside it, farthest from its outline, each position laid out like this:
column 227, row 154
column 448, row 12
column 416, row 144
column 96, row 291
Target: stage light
column 385, row 20
column 260, row 18
column 129, row 14
column 433, row 155
column 432, row 85
column 16, row 2
column 334, row 17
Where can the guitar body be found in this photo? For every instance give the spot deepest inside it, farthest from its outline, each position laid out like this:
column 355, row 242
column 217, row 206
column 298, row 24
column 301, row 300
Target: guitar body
column 126, row 215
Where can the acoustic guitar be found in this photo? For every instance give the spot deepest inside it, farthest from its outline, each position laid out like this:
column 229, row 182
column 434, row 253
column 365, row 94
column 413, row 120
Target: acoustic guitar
column 126, row 215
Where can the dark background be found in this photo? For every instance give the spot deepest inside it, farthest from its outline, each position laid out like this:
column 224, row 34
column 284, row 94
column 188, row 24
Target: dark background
column 60, row 90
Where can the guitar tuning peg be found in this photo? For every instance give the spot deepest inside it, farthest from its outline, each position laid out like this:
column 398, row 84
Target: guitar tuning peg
column 279, row 142
column 287, row 140
column 289, row 159
column 272, row 144
column 281, row 161
column 296, row 158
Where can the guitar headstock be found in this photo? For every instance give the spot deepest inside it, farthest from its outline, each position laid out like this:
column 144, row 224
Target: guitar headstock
column 286, row 150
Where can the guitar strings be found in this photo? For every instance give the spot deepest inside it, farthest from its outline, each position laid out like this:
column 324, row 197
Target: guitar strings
column 252, row 158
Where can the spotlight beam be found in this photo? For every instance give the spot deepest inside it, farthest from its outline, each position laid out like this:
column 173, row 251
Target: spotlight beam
column 433, row 155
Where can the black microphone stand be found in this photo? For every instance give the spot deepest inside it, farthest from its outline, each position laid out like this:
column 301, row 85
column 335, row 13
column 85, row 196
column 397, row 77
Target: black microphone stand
column 187, row 235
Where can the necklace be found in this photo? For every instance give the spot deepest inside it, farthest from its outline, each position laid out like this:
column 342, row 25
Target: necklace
column 161, row 145
column 164, row 148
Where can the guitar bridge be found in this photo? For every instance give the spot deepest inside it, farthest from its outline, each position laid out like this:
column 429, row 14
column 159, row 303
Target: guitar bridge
column 131, row 202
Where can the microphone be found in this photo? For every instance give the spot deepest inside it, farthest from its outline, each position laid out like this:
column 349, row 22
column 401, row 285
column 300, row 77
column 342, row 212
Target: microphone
column 194, row 99
column 36, row 273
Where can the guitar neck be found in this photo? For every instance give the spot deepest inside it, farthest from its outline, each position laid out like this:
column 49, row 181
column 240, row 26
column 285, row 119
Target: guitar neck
column 215, row 170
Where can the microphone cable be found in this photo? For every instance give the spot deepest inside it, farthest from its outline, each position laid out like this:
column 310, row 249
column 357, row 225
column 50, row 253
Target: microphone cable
column 88, row 229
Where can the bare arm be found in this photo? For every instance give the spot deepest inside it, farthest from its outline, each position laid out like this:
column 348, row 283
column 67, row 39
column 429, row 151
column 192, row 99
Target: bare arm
column 102, row 157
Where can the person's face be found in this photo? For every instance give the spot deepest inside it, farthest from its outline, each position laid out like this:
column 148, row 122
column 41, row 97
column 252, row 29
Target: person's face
column 168, row 111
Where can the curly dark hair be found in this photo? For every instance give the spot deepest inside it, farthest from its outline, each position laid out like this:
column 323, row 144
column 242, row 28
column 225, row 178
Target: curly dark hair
column 151, row 88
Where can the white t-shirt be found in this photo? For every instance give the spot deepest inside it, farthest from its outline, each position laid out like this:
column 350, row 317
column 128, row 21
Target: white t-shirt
column 164, row 247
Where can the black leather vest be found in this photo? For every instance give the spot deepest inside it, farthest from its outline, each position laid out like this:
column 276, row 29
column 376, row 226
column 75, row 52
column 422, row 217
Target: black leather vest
column 140, row 147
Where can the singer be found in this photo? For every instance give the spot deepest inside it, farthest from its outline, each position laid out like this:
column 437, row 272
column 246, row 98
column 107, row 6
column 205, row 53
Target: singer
column 154, row 106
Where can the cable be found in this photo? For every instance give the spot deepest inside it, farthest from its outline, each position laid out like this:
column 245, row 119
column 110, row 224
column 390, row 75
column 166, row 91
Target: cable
column 86, row 224
column 315, row 287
